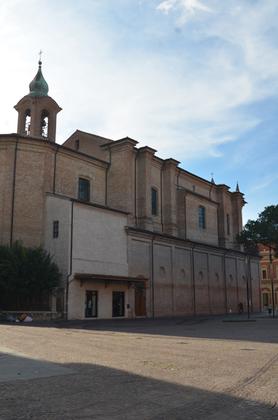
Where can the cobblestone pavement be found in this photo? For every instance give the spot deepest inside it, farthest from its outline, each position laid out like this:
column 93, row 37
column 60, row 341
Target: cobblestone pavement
column 142, row 369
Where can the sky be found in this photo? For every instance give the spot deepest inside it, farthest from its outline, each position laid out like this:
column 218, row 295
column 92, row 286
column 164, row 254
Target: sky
column 197, row 80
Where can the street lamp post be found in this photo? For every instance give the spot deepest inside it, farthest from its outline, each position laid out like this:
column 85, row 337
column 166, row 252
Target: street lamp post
column 247, row 287
column 271, row 280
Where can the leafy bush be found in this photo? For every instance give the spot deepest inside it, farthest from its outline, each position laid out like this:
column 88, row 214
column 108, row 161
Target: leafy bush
column 27, row 271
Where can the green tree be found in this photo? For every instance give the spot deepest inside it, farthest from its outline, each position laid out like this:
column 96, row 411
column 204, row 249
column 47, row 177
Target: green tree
column 26, row 271
column 263, row 231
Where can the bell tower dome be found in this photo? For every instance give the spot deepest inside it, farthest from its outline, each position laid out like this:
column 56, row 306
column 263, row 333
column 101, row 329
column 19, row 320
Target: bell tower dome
column 37, row 112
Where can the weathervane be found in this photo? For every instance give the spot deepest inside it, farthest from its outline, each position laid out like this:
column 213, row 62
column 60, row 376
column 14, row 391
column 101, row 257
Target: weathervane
column 40, row 55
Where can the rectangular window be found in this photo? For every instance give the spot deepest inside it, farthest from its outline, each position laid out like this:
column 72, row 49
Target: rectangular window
column 202, row 217
column 55, row 228
column 154, row 202
column 264, row 274
column 76, row 144
column 83, row 189
column 228, row 224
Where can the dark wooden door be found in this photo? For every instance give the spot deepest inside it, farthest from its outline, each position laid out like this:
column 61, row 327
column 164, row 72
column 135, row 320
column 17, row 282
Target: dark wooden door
column 140, row 301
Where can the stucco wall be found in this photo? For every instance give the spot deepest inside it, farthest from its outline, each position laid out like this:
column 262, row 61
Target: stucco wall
column 99, row 241
column 58, row 209
column 97, row 237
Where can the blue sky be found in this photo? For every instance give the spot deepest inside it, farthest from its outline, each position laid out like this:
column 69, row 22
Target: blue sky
column 195, row 79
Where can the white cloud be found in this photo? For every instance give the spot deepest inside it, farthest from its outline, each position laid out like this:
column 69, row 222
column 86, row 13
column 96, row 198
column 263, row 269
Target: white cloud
column 187, row 9
column 184, row 102
column 187, row 6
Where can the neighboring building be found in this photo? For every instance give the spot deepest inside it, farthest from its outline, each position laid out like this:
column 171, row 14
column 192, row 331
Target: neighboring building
column 269, row 277
column 133, row 234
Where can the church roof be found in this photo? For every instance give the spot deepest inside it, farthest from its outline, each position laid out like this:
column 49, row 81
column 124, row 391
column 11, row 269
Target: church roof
column 38, row 86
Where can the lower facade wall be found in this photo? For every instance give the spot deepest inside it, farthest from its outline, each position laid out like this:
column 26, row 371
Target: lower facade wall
column 193, row 280
column 181, row 281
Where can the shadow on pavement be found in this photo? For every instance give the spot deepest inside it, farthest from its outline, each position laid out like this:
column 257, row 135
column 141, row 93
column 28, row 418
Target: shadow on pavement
column 264, row 330
column 49, row 391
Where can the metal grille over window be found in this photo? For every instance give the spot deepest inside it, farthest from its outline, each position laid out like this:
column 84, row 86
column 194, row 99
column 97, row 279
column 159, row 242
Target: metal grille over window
column 202, row 217
column 83, row 189
column 55, row 229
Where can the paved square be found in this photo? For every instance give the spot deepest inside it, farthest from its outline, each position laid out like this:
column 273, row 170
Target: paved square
column 143, row 369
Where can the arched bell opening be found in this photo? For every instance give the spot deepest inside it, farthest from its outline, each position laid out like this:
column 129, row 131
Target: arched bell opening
column 27, row 122
column 44, row 123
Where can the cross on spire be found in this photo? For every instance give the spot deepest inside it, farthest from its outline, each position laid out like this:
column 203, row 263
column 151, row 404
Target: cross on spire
column 40, row 57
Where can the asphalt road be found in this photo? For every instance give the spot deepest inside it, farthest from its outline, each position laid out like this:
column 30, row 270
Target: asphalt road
column 143, row 369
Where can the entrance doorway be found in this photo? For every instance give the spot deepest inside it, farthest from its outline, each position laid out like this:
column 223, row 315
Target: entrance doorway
column 118, row 304
column 91, row 304
column 140, row 300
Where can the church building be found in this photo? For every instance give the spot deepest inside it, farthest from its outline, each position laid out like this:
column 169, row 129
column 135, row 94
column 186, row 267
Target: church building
column 134, row 235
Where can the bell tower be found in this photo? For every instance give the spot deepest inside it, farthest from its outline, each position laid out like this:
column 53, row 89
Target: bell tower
column 37, row 112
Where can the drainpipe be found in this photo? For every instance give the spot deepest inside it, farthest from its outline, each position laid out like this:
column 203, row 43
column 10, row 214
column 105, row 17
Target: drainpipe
column 208, row 271
column 271, row 279
column 152, row 276
column 247, row 285
column 237, row 291
column 193, row 279
column 70, row 260
column 13, row 192
column 161, row 198
column 106, row 177
column 185, row 217
column 135, row 189
column 225, row 281
column 250, row 277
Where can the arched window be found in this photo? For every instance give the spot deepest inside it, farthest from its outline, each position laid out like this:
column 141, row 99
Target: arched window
column 44, row 123
column 27, row 122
